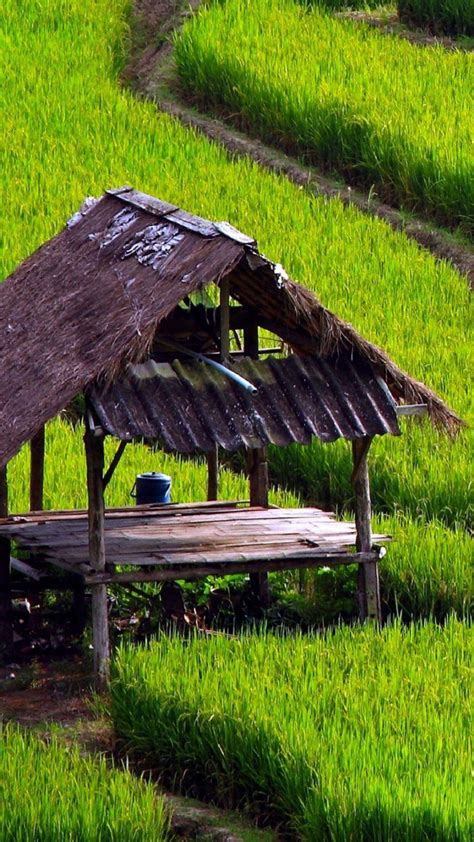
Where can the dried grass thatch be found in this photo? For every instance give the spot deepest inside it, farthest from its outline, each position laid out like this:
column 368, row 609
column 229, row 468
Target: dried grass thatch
column 92, row 298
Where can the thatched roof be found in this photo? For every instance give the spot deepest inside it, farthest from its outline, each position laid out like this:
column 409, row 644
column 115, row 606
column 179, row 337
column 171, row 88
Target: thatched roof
column 91, row 299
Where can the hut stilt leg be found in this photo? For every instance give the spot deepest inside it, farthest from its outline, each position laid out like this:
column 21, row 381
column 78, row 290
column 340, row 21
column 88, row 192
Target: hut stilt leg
column 100, row 636
column 37, row 471
column 6, row 630
column 258, row 475
column 96, row 513
column 212, row 474
column 257, row 466
column 368, row 574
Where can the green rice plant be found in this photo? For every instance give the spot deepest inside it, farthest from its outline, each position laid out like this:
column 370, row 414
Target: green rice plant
column 451, row 17
column 359, row 735
column 71, row 131
column 428, row 569
column 50, row 793
column 377, row 109
column 321, row 473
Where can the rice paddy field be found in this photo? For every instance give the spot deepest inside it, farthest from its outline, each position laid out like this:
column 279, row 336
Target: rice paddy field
column 392, row 114
column 50, row 793
column 375, row 745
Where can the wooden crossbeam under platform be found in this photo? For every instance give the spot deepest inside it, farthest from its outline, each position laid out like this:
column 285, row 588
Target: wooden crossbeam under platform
column 158, row 543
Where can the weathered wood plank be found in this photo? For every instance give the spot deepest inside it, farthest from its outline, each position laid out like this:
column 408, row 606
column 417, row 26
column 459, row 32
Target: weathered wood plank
column 25, row 569
column 255, row 515
column 153, row 509
column 199, row 572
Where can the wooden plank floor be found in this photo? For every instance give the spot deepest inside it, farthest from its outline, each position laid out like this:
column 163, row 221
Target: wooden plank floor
column 186, row 536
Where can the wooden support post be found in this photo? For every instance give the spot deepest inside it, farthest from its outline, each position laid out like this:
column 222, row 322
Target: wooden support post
column 257, row 465
column 368, row 574
column 37, row 471
column 224, row 319
column 94, row 446
column 6, row 630
column 212, row 457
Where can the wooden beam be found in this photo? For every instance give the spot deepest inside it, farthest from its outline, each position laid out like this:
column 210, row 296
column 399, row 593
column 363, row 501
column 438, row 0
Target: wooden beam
column 251, row 335
column 224, row 318
column 37, row 445
column 212, row 457
column 411, row 409
column 368, row 574
column 182, row 323
column 198, row 571
column 111, row 469
column 94, row 446
column 25, row 569
column 257, row 465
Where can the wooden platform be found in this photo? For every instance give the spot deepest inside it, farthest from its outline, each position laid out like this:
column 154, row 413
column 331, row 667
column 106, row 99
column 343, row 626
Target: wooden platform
column 187, row 541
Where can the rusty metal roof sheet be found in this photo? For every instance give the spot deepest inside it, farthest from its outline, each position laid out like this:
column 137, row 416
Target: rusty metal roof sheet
column 189, row 406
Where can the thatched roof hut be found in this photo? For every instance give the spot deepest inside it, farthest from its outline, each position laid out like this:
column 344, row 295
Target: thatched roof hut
column 109, row 308
column 95, row 297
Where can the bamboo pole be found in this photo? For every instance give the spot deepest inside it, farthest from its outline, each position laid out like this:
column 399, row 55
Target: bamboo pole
column 368, row 589
column 37, row 445
column 94, row 446
column 6, row 630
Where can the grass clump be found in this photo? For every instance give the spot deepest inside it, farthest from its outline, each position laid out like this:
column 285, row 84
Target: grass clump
column 377, row 109
column 344, row 736
column 450, row 17
column 49, row 793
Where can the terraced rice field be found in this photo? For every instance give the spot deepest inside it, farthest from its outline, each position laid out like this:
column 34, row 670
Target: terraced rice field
column 71, row 131
column 374, row 745
column 49, row 793
column 374, row 108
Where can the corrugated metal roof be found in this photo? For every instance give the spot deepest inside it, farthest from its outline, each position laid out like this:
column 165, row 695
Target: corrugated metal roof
column 189, row 406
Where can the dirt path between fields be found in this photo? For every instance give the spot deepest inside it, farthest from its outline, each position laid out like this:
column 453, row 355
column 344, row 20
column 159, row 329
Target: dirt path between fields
column 57, row 696
column 150, row 73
